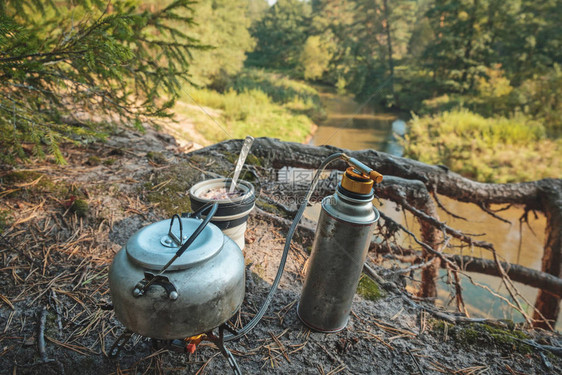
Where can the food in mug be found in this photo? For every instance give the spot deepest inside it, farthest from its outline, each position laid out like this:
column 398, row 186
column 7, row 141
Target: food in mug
column 221, row 193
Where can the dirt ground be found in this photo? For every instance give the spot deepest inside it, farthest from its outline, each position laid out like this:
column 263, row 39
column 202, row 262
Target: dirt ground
column 55, row 314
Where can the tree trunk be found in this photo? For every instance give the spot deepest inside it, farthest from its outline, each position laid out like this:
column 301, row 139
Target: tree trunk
column 417, row 195
column 469, row 43
column 548, row 303
column 389, row 45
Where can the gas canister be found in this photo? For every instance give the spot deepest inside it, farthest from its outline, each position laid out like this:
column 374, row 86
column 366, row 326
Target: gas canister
column 339, row 251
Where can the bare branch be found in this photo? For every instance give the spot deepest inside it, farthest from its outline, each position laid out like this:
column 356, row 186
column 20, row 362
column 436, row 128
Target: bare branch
column 484, row 208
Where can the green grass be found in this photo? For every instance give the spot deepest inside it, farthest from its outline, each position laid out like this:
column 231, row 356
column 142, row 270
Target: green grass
column 295, row 96
column 235, row 115
column 486, row 149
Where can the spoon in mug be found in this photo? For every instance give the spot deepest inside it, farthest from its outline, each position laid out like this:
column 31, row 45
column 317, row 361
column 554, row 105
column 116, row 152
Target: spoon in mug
column 241, row 159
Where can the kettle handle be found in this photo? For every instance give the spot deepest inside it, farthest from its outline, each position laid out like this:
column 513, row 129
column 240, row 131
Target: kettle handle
column 212, row 207
column 195, row 215
column 151, row 279
column 174, row 238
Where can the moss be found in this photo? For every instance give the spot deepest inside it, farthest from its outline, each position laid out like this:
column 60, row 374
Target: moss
column 369, row 289
column 168, row 189
column 271, row 208
column 250, row 159
column 199, row 159
column 248, row 176
column 170, row 204
column 51, row 329
column 508, row 338
column 219, row 165
column 469, row 336
column 156, row 157
column 20, row 177
column 474, row 334
column 258, row 273
column 93, row 161
column 109, row 161
column 4, row 219
column 27, row 184
column 441, row 326
column 80, row 207
column 232, row 158
column 254, row 160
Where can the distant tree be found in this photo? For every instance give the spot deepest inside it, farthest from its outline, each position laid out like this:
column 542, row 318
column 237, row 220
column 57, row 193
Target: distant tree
column 256, row 9
column 530, row 42
column 315, row 56
column 539, row 96
column 70, row 67
column 223, row 26
column 422, row 35
column 332, row 20
column 369, row 37
column 281, row 35
column 470, row 37
column 457, row 53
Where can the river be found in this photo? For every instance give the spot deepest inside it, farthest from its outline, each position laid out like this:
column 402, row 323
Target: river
column 352, row 126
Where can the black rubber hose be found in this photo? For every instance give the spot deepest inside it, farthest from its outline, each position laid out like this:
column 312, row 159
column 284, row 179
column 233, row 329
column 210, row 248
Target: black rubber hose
column 252, row 323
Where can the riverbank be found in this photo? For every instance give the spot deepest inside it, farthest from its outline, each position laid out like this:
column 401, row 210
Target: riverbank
column 498, row 149
column 254, row 103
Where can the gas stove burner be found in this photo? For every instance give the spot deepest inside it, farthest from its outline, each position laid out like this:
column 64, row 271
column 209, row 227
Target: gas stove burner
column 186, row 346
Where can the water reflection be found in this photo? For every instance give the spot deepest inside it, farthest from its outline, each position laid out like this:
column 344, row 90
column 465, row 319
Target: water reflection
column 507, row 240
column 346, row 126
column 397, row 132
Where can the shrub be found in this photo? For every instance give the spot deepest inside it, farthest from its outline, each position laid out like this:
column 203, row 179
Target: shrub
column 69, row 68
column 295, row 95
column 540, row 97
column 486, row 149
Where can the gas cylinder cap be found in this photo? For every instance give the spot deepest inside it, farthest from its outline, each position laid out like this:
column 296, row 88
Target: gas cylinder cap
column 147, row 248
column 356, row 181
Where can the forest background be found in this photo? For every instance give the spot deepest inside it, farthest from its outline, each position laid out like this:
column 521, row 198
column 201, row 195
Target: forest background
column 480, row 79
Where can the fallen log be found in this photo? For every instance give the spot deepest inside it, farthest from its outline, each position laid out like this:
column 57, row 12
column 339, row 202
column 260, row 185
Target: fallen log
column 443, row 181
column 524, row 275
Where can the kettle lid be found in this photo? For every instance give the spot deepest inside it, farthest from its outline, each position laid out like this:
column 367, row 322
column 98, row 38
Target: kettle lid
column 152, row 246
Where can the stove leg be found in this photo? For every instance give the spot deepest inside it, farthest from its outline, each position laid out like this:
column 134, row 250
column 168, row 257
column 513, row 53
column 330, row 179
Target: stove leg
column 120, row 343
column 219, row 342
